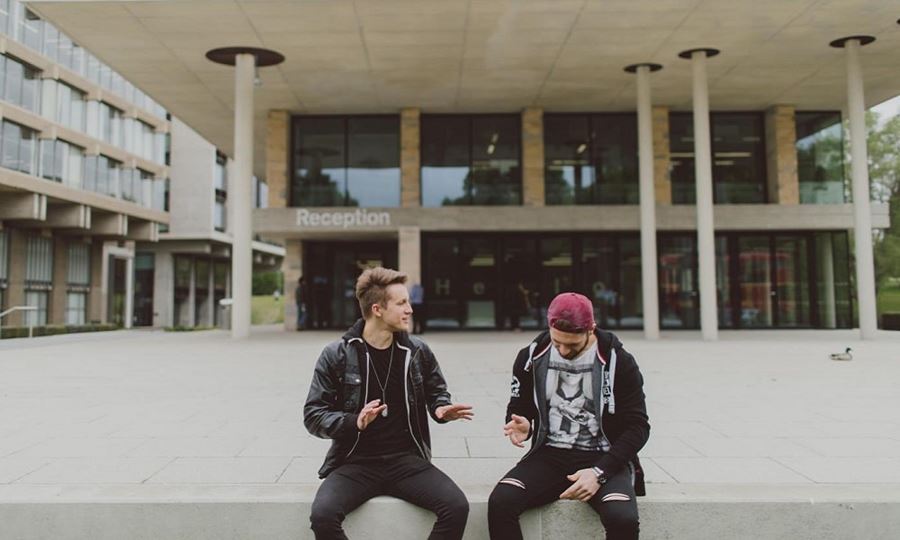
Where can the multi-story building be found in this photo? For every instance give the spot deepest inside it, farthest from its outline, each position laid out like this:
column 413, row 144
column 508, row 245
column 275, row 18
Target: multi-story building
column 93, row 175
column 499, row 152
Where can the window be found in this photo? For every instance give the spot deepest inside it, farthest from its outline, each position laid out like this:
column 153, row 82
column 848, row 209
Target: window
column 18, row 150
column 110, row 124
column 101, row 174
column 19, row 83
column 136, row 186
column 4, row 265
column 62, row 162
column 64, row 104
column 471, row 160
column 346, row 161
column 220, row 180
column 29, row 31
column 78, row 280
column 738, row 154
column 590, row 159
column 76, row 307
column 820, row 157
column 38, row 277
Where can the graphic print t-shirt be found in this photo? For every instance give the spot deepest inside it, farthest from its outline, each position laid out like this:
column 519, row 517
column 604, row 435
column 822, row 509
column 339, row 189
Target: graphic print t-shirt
column 570, row 394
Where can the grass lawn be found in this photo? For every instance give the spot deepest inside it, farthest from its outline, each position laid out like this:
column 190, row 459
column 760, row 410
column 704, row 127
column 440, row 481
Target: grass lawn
column 889, row 299
column 266, row 309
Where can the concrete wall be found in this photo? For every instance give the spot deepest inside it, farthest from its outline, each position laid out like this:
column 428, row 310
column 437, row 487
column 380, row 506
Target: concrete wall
column 384, row 518
column 410, row 158
column 278, row 125
column 533, row 157
column 192, row 192
column 781, row 155
column 163, row 285
column 15, row 290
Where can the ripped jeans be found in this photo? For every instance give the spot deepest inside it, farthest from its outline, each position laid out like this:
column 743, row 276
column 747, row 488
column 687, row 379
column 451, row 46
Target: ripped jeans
column 541, row 478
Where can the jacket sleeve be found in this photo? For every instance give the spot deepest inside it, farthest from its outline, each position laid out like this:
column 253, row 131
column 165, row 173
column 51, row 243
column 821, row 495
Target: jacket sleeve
column 631, row 413
column 436, row 394
column 521, row 390
column 322, row 414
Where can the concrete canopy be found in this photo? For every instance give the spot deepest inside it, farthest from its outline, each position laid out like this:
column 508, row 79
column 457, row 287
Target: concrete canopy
column 345, row 56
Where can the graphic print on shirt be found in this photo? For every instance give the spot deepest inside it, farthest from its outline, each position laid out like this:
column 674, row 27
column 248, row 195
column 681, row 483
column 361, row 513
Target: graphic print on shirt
column 573, row 421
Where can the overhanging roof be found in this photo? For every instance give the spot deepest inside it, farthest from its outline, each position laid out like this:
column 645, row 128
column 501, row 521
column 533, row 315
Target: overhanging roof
column 364, row 56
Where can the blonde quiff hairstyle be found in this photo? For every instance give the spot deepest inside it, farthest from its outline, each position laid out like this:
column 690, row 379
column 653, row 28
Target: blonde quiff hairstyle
column 371, row 287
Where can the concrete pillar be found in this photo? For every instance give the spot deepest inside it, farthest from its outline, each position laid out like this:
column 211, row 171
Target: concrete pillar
column 128, row 319
column 242, row 199
column 410, row 158
column 15, row 289
column 649, row 281
column 97, row 296
column 533, row 156
column 662, row 155
column 859, row 168
column 278, row 126
column 163, row 289
column 826, row 263
column 292, row 269
column 706, row 247
column 781, row 155
column 56, row 312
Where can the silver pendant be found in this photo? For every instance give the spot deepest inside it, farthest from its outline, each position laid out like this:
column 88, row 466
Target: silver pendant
column 384, row 412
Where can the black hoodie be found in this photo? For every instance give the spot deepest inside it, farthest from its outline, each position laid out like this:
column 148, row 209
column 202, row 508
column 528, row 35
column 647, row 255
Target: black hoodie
column 336, row 393
column 622, row 410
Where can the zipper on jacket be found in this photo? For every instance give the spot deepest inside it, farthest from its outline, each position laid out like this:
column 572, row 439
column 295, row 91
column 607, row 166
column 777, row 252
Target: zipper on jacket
column 600, row 419
column 537, row 409
column 406, row 400
column 365, row 400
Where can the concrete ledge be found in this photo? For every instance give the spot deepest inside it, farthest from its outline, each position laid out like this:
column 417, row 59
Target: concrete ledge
column 264, row 513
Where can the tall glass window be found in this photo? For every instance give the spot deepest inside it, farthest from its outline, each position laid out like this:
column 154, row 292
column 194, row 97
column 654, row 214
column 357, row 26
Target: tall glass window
column 820, row 157
column 19, row 83
column 346, row 161
column 4, row 265
column 62, row 162
column 38, row 277
column 220, row 180
column 471, row 160
column 101, row 174
column 738, row 153
column 18, row 148
column 78, row 280
column 678, row 295
column 590, row 159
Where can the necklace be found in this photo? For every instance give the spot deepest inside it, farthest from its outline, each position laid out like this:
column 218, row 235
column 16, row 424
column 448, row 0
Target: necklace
column 387, row 377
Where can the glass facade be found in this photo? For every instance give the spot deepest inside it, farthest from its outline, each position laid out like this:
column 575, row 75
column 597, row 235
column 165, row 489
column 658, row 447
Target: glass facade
column 18, row 148
column 346, row 161
column 220, row 184
column 820, row 158
column 471, row 160
column 590, row 159
column 19, row 83
column 738, row 155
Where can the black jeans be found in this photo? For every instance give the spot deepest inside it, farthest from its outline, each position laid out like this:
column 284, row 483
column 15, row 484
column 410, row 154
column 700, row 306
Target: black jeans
column 543, row 475
column 405, row 476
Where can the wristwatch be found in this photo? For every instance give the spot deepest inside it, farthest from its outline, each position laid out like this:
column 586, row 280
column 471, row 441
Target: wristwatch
column 601, row 476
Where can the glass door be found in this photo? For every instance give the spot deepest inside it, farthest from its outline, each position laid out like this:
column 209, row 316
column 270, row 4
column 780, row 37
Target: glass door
column 757, row 292
column 792, row 287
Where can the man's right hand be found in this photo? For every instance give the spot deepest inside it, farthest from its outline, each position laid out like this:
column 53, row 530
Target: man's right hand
column 517, row 430
column 369, row 413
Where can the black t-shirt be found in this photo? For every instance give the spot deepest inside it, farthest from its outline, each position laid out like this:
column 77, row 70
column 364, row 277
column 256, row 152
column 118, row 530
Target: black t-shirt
column 386, row 434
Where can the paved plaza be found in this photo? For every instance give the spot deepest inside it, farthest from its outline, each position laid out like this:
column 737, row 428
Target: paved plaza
column 762, row 415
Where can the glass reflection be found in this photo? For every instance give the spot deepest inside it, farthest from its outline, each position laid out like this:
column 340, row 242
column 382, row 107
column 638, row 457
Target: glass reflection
column 792, row 276
column 820, row 158
column 755, row 281
column 678, row 304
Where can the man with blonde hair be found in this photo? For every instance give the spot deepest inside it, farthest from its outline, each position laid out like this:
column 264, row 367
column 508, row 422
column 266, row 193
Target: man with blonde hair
column 371, row 393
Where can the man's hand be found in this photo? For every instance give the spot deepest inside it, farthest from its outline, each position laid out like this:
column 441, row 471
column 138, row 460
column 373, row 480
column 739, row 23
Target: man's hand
column 517, row 430
column 454, row 412
column 584, row 487
column 369, row 413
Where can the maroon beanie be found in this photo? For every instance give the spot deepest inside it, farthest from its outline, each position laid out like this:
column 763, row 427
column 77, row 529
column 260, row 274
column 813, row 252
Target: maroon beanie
column 571, row 312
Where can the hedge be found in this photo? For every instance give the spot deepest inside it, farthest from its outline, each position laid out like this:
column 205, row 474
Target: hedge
column 8, row 332
column 890, row 321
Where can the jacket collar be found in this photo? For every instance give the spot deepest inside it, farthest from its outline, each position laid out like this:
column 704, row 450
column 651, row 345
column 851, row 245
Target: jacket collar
column 606, row 341
column 355, row 333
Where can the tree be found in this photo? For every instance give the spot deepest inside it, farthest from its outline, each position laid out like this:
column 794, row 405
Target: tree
column 884, row 173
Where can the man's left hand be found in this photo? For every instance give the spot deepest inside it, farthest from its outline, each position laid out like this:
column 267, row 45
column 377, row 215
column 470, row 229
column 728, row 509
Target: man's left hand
column 584, row 487
column 454, row 412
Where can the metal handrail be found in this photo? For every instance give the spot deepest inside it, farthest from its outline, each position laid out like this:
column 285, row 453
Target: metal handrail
column 19, row 308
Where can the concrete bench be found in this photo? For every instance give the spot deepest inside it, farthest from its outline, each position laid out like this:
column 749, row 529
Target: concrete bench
column 713, row 512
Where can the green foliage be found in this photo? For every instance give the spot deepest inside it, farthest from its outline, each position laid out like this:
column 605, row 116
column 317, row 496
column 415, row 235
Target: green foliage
column 54, row 329
column 266, row 309
column 267, row 282
column 884, row 172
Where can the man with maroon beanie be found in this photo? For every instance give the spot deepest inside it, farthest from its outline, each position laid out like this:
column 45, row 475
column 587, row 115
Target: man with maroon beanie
column 578, row 395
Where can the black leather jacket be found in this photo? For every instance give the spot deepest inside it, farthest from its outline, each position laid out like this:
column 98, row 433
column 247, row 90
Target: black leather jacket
column 336, row 393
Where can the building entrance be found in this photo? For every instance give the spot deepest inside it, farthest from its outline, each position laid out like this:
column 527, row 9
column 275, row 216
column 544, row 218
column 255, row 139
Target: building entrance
column 331, row 269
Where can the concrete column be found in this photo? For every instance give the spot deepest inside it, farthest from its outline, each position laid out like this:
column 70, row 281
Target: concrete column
column 410, row 158
column 278, row 126
column 15, row 290
column 292, row 269
column 129, row 292
column 706, row 247
column 97, row 297
column 662, row 155
column 163, row 289
column 646, row 158
column 409, row 251
column 826, row 263
column 242, row 195
column 533, row 156
column 862, row 212
column 781, row 155
column 57, row 308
